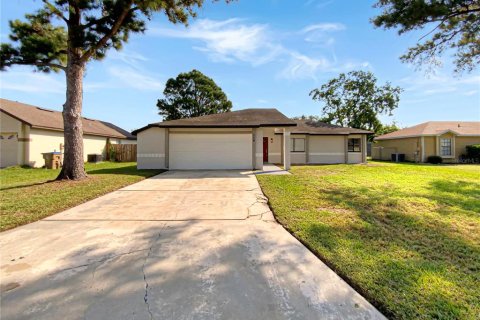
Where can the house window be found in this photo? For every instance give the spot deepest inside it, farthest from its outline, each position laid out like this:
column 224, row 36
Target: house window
column 297, row 145
column 445, row 147
column 354, row 145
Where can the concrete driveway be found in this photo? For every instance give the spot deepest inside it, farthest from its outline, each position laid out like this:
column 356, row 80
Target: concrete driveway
column 181, row 245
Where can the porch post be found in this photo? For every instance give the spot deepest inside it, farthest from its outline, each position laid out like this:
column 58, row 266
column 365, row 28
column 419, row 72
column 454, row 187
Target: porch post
column 258, row 149
column 286, row 148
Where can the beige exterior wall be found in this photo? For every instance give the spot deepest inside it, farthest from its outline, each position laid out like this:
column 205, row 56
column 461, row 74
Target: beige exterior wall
column 411, row 147
column 461, row 144
column 42, row 141
column 12, row 150
column 151, row 146
column 431, row 145
column 298, row 157
column 326, row 149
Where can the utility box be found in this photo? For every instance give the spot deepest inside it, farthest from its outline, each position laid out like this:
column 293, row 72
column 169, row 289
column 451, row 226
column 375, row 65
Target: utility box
column 398, row 157
column 53, row 160
column 94, row 158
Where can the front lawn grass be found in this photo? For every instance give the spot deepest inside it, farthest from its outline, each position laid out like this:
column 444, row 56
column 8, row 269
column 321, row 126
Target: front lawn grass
column 406, row 236
column 28, row 194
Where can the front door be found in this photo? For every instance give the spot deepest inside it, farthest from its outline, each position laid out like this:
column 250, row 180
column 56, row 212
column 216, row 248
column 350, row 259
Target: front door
column 265, row 149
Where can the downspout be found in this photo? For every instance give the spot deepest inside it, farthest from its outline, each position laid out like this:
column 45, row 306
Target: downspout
column 422, row 146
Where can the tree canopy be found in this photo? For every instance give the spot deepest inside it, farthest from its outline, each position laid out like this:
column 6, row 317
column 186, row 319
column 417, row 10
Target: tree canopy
column 356, row 100
column 192, row 94
column 89, row 30
column 66, row 34
column 455, row 25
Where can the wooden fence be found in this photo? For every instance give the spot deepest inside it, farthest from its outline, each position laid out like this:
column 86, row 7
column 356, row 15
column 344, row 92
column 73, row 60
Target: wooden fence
column 123, row 152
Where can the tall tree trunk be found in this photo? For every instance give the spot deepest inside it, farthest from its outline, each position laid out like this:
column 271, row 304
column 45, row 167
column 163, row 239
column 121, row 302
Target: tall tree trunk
column 73, row 166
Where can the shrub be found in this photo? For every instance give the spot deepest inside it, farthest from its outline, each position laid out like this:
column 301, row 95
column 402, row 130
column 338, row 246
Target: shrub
column 434, row 159
column 473, row 151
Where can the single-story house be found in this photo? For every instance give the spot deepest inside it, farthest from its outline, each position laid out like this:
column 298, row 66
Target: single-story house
column 26, row 132
column 447, row 139
column 245, row 139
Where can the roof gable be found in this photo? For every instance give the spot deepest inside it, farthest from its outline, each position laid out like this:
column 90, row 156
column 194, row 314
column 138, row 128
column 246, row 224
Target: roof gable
column 37, row 117
column 247, row 118
column 435, row 128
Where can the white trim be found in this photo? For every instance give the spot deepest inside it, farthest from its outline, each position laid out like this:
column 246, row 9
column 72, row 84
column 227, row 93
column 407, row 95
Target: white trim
column 275, row 154
column 328, row 153
column 151, row 155
column 452, row 148
column 259, row 154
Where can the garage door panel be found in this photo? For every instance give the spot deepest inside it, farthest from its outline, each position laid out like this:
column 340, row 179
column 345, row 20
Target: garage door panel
column 210, row 151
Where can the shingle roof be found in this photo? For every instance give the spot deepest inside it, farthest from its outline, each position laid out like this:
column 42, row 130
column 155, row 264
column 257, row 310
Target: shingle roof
column 49, row 119
column 322, row 128
column 247, row 118
column 127, row 134
column 433, row 128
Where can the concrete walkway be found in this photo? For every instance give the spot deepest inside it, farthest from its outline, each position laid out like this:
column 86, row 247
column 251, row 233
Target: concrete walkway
column 269, row 168
column 181, row 245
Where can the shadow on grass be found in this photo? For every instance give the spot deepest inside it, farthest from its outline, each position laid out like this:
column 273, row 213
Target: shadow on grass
column 128, row 170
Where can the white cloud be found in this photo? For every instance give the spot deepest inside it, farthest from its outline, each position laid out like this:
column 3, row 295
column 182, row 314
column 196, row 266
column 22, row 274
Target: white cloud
column 441, row 83
column 471, row 92
column 321, row 33
column 325, row 27
column 235, row 40
column 134, row 78
column 304, row 67
column 129, row 57
column 24, row 80
column 227, row 40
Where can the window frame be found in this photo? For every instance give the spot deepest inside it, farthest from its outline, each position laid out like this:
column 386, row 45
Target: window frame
column 353, row 145
column 292, row 145
column 450, row 146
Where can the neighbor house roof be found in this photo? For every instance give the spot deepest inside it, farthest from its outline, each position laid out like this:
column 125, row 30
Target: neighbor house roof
column 247, row 118
column 434, row 128
column 37, row 117
column 322, row 128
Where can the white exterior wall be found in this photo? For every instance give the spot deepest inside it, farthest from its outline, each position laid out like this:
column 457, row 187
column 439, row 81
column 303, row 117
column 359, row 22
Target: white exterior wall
column 325, row 149
column 151, row 146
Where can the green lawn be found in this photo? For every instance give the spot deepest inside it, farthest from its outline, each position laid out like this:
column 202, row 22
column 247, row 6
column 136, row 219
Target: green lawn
column 28, row 195
column 406, row 236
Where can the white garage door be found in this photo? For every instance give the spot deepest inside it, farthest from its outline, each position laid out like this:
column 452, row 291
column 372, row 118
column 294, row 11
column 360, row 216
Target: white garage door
column 210, row 151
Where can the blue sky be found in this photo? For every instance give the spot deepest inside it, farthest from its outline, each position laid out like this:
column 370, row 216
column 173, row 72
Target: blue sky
column 264, row 54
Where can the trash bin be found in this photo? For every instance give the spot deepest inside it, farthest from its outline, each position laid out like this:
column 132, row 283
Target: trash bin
column 398, row 157
column 94, row 157
column 53, row 160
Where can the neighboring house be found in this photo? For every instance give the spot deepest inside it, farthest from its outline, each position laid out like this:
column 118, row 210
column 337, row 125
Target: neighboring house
column 245, row 139
column 447, row 139
column 27, row 131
